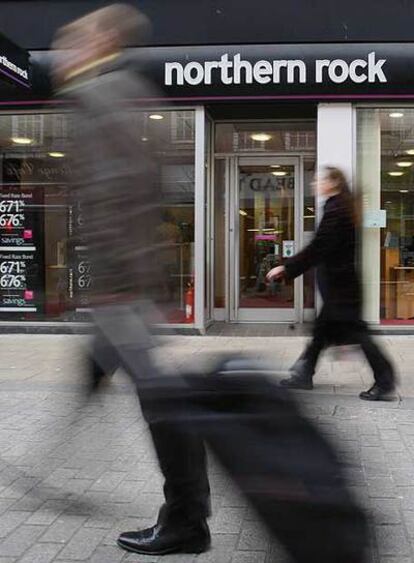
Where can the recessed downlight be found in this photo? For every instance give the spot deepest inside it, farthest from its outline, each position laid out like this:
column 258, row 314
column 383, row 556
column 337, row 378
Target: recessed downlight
column 403, row 191
column 22, row 140
column 410, row 152
column 261, row 137
column 56, row 154
column 275, row 166
column 279, row 173
column 156, row 116
column 396, row 114
column 395, row 174
column 405, row 164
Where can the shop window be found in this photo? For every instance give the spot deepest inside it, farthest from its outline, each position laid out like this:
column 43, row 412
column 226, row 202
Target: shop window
column 300, row 140
column 265, row 137
column 309, row 225
column 182, row 126
column 386, row 183
column 26, row 126
column 243, row 141
column 45, row 272
column 219, row 233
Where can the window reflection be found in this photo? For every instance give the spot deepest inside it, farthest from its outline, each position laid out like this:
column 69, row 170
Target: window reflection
column 386, row 177
column 265, row 137
column 44, row 267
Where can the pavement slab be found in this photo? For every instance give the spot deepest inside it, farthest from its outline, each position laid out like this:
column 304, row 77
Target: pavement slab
column 73, row 475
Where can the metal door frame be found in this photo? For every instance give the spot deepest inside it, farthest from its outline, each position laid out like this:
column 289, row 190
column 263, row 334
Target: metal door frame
column 235, row 313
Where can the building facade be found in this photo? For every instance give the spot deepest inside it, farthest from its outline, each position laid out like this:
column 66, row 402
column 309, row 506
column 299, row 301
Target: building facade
column 258, row 99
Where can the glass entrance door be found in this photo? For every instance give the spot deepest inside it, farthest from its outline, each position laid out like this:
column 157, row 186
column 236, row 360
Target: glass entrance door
column 264, row 228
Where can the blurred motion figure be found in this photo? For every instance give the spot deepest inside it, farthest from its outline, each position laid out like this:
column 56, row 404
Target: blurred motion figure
column 115, row 171
column 277, row 458
column 333, row 252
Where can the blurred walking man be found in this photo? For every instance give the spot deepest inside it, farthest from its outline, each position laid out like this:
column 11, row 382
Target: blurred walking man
column 115, row 185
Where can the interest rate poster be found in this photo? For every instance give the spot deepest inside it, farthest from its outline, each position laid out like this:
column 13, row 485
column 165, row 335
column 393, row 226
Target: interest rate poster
column 21, row 249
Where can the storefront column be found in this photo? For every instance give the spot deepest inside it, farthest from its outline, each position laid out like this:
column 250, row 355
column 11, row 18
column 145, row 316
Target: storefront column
column 199, row 220
column 369, row 184
column 335, row 137
column 335, row 146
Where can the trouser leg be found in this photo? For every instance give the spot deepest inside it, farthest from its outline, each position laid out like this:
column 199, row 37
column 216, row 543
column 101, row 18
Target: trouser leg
column 103, row 361
column 306, row 364
column 381, row 366
column 181, row 453
column 182, row 459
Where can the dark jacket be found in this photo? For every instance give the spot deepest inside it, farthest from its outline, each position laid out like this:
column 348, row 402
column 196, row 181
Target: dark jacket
column 333, row 253
column 115, row 171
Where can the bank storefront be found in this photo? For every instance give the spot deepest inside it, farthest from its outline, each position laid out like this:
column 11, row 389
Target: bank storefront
column 245, row 129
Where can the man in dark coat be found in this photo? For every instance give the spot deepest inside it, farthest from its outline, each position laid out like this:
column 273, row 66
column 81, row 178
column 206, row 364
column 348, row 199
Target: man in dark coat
column 115, row 172
column 332, row 251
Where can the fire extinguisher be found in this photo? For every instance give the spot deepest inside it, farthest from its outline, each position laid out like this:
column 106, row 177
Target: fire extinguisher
column 189, row 303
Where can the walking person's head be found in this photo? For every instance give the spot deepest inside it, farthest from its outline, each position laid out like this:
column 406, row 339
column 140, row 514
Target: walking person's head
column 111, row 29
column 98, row 36
column 332, row 181
column 68, row 45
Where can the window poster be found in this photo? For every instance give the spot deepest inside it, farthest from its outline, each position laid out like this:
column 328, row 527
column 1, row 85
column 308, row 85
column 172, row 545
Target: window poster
column 21, row 249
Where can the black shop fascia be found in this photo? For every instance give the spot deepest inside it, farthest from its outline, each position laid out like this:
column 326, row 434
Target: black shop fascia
column 303, row 72
column 317, row 72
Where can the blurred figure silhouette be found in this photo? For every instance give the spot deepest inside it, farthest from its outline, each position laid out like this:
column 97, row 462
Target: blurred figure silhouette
column 289, row 473
column 333, row 252
column 278, row 459
column 115, row 171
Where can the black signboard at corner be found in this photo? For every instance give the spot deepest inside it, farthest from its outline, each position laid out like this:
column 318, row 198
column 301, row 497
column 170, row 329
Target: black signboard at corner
column 14, row 64
column 282, row 72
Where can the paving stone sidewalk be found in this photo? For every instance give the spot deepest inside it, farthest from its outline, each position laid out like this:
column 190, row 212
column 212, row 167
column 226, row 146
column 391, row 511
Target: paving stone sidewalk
column 73, row 475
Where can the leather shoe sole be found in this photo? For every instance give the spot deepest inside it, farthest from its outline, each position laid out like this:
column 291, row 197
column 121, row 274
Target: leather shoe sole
column 183, row 548
column 378, row 395
column 130, row 542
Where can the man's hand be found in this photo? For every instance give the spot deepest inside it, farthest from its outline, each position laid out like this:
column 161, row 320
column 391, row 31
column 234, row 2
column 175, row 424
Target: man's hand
column 275, row 273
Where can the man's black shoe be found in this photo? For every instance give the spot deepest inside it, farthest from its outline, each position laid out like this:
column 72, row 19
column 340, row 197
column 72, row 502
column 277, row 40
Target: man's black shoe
column 162, row 539
column 377, row 393
column 297, row 381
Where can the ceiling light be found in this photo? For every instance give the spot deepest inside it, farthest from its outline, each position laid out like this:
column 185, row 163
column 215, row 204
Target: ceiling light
column 275, row 166
column 388, row 202
column 279, row 173
column 56, row 154
column 404, row 164
column 156, row 116
column 262, row 137
column 396, row 114
column 22, row 140
column 410, row 152
column 403, row 191
column 395, row 174
column 244, row 213
column 144, row 139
